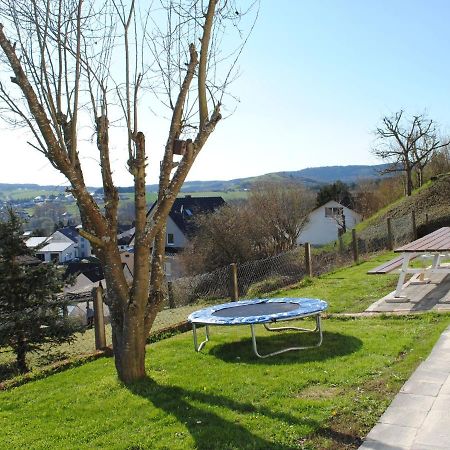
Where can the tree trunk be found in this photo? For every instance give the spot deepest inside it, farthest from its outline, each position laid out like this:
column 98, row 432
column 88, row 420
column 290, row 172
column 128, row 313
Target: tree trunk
column 129, row 347
column 409, row 182
column 127, row 308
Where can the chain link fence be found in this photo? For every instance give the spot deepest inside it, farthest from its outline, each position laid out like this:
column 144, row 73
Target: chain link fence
column 258, row 277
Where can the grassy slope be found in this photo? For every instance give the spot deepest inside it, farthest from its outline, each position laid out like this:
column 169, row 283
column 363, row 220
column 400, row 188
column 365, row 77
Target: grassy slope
column 322, row 398
column 432, row 198
column 83, row 344
column 348, row 289
column 223, row 398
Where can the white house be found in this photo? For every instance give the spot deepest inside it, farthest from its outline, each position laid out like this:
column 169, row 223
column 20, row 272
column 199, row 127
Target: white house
column 58, row 252
column 325, row 221
column 63, row 245
column 70, row 234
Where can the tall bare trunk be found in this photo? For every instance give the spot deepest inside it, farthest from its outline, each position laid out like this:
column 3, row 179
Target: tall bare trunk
column 409, row 181
column 129, row 341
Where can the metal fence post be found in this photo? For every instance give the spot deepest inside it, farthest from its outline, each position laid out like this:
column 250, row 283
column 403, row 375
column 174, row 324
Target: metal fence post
column 308, row 261
column 170, row 294
column 99, row 320
column 390, row 236
column 355, row 246
column 234, row 293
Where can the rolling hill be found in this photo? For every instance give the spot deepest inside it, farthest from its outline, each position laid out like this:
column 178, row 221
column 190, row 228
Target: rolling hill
column 311, row 177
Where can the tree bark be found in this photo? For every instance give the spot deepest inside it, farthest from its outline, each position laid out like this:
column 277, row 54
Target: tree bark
column 129, row 341
column 409, row 182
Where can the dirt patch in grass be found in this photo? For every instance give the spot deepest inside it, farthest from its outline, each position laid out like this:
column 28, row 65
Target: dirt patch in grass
column 318, row 392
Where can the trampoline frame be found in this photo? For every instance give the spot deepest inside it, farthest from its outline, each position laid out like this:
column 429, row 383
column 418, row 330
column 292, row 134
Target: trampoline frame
column 316, row 314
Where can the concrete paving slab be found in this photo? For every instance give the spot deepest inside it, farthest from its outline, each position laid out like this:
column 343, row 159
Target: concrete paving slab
column 445, row 389
column 421, row 388
column 405, row 417
column 393, row 435
column 437, row 424
column 442, row 404
column 373, row 445
column 430, row 376
column 431, row 447
column 431, row 438
column 438, row 365
column 413, row 401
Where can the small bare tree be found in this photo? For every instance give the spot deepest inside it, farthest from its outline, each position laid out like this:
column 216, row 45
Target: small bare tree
column 439, row 162
column 266, row 224
column 281, row 211
column 407, row 145
column 75, row 63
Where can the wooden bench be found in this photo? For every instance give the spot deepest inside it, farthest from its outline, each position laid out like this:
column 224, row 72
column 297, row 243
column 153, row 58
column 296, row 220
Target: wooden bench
column 388, row 266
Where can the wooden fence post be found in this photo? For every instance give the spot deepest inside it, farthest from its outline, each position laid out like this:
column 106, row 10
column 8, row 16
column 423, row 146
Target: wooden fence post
column 390, row 236
column 414, row 226
column 234, row 293
column 341, row 243
column 99, row 320
column 308, row 261
column 355, row 246
column 426, row 220
column 170, row 294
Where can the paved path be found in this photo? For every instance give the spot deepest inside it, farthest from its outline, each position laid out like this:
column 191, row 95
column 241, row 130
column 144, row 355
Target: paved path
column 419, row 416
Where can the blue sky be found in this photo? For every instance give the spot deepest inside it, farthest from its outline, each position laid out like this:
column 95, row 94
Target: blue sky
column 318, row 76
column 316, row 79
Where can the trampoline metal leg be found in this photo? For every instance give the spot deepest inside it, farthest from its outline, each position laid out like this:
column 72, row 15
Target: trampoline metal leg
column 292, row 328
column 255, row 347
column 202, row 344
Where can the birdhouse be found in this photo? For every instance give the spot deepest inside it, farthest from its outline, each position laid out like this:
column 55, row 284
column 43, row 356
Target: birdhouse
column 179, row 147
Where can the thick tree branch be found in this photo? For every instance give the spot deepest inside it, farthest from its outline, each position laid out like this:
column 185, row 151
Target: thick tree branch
column 202, row 69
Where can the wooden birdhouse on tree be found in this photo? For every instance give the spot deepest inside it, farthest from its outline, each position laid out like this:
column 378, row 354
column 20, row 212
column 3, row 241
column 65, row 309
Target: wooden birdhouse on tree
column 179, row 147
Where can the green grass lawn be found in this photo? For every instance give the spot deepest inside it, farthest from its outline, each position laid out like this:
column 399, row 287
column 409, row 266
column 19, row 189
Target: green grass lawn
column 224, row 398
column 84, row 343
column 348, row 289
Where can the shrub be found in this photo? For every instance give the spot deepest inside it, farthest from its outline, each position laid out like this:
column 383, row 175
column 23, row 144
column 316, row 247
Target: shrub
column 268, row 285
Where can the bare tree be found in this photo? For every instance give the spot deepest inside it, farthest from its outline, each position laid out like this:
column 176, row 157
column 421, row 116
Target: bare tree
column 281, row 211
column 220, row 238
column 407, row 145
column 439, row 162
column 76, row 62
column 266, row 224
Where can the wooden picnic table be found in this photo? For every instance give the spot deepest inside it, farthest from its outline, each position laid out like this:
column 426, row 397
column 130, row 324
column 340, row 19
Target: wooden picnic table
column 435, row 244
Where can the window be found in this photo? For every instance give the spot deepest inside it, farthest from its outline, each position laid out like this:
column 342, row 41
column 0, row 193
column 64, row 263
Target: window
column 170, row 239
column 334, row 211
column 54, row 257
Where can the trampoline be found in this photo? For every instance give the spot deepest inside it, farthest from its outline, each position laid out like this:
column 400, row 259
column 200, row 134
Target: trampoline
column 260, row 311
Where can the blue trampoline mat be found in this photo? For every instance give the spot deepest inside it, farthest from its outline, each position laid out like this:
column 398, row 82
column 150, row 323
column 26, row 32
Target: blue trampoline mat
column 258, row 311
